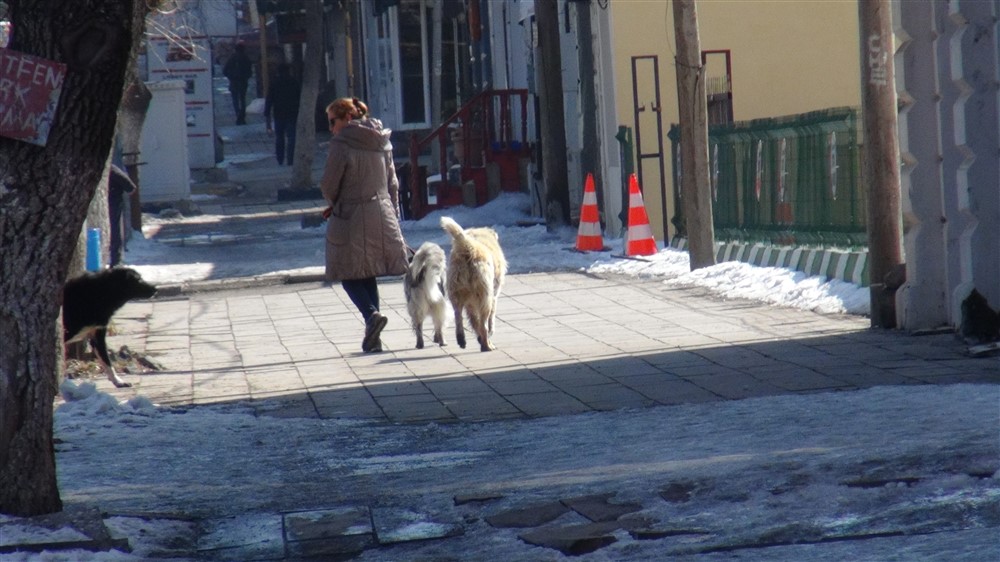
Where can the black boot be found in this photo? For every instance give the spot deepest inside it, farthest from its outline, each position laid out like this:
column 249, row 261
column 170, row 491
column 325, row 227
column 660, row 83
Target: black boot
column 373, row 331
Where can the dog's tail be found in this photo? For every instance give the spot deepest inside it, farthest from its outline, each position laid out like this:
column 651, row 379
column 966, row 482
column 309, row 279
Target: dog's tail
column 428, row 268
column 453, row 228
column 422, row 268
column 433, row 283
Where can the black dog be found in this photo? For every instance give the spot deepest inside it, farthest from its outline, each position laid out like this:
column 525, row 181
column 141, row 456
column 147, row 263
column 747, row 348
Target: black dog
column 89, row 302
column 980, row 323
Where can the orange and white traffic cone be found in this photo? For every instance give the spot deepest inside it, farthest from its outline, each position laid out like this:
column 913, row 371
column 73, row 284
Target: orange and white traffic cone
column 639, row 238
column 588, row 237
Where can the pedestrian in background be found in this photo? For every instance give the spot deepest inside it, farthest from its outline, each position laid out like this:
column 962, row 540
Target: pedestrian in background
column 118, row 185
column 282, row 101
column 238, row 70
column 363, row 236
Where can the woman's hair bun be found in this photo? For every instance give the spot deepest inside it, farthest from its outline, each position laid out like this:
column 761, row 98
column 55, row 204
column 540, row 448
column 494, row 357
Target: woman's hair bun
column 360, row 108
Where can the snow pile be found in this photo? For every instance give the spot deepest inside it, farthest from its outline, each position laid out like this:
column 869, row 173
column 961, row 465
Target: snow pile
column 85, row 400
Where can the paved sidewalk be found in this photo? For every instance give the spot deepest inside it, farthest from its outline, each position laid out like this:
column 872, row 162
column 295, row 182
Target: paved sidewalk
column 567, row 343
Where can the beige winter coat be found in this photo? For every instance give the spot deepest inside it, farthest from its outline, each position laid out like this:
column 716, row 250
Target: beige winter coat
column 363, row 238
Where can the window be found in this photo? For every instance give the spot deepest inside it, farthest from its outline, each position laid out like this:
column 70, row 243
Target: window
column 414, row 86
column 404, row 54
column 718, row 86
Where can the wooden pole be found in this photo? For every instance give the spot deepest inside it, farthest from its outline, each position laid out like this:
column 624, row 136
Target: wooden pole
column 553, row 123
column 880, row 159
column 692, row 104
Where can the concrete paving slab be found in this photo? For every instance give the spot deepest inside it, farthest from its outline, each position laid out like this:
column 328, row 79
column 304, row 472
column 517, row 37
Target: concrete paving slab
column 599, row 507
column 74, row 528
column 573, row 540
column 398, row 525
column 328, row 532
column 480, row 407
column 613, row 396
column 460, row 386
column 245, row 537
column 531, row 515
column 414, row 408
column 732, row 385
column 548, row 403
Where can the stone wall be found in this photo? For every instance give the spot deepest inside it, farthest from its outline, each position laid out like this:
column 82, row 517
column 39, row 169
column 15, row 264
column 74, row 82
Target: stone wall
column 946, row 77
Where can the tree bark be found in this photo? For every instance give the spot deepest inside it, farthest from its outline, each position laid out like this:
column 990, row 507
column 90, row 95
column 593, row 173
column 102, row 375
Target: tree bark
column 553, row 121
column 44, row 197
column 305, row 133
column 693, row 114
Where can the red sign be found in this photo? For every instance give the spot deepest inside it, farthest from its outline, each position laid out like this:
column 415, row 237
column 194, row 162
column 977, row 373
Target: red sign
column 29, row 94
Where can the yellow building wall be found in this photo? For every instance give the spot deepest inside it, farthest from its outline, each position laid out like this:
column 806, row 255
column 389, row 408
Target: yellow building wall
column 788, row 57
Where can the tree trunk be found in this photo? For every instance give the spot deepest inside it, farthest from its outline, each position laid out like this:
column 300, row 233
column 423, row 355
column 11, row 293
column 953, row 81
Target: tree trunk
column 553, row 121
column 44, row 199
column 305, row 126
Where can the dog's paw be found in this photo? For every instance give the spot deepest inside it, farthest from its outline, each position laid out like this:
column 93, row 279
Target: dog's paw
column 118, row 381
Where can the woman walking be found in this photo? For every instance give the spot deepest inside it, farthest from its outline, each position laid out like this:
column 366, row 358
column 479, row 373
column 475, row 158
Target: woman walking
column 363, row 238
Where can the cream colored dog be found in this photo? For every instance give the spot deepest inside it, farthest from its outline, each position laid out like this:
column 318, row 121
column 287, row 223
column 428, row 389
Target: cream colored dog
column 423, row 286
column 476, row 271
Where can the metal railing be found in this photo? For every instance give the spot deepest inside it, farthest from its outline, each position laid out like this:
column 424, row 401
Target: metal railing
column 482, row 131
column 784, row 180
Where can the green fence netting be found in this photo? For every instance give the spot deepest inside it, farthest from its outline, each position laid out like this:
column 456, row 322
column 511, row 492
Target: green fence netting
column 784, row 180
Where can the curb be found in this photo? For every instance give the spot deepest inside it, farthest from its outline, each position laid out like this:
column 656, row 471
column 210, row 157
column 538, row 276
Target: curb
column 235, row 283
column 845, row 265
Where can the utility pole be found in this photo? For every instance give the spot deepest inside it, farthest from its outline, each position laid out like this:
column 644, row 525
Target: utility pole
column 553, row 125
column 692, row 102
column 880, row 159
column 590, row 152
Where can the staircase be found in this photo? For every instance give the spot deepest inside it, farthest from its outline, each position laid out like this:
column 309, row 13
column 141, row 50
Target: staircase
column 479, row 152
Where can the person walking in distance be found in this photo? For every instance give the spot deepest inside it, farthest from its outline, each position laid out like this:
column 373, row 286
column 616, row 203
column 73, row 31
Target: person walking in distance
column 238, row 70
column 118, row 185
column 363, row 236
column 282, row 101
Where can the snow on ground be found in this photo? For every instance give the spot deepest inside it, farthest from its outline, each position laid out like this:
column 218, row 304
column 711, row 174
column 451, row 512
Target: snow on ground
column 528, row 248
column 768, row 469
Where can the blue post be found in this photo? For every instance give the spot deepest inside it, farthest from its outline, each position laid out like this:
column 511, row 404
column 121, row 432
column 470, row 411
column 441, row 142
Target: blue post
column 93, row 249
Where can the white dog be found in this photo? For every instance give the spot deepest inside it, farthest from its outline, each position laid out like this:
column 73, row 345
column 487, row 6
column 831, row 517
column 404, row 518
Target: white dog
column 424, row 287
column 476, row 271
